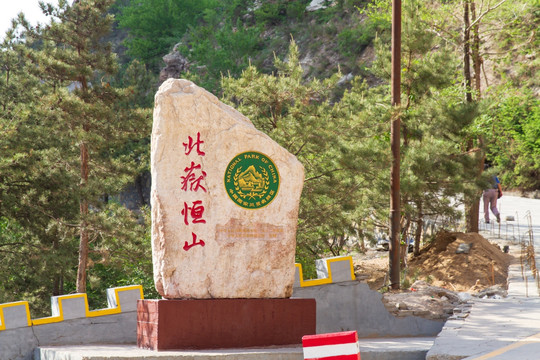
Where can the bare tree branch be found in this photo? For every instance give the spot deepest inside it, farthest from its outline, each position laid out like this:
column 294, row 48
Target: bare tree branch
column 485, row 13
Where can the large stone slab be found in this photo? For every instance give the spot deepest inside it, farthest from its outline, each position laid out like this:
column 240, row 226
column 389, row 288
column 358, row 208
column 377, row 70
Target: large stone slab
column 224, row 201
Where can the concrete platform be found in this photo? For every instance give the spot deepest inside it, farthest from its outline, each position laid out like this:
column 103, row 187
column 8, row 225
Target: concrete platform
column 370, row 349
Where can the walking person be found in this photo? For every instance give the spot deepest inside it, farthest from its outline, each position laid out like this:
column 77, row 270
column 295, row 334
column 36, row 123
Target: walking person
column 490, row 197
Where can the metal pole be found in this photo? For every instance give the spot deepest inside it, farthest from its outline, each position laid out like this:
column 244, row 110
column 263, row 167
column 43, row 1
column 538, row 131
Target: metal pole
column 395, row 212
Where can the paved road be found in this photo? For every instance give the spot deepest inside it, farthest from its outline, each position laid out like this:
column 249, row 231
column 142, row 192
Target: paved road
column 508, row 328
column 519, row 216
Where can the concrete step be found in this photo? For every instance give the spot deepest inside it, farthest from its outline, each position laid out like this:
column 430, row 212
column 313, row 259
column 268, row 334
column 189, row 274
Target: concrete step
column 370, row 349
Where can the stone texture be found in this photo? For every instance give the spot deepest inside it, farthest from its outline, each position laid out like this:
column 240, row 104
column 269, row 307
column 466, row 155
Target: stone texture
column 247, row 252
column 110, row 329
column 15, row 315
column 339, row 268
column 315, row 5
column 175, row 65
column 353, row 305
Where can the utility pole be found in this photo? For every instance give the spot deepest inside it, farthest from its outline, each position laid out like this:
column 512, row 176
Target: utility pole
column 395, row 206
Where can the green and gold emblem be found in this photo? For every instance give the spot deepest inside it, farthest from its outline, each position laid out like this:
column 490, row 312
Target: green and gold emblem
column 251, row 180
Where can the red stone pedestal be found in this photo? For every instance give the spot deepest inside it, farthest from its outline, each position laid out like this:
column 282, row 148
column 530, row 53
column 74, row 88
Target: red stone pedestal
column 223, row 323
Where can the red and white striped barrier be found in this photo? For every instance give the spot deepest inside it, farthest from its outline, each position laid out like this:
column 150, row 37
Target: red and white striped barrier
column 333, row 346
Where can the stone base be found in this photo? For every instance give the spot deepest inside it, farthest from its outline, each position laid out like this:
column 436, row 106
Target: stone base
column 223, row 323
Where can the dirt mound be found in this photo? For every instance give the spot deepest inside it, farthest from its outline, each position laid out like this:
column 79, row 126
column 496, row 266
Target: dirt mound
column 440, row 264
column 441, row 279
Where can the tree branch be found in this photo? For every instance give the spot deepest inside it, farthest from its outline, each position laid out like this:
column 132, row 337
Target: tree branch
column 13, row 244
column 323, row 174
column 485, row 13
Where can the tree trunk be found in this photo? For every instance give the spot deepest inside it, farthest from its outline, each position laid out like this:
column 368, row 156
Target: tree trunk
column 471, row 210
column 395, row 145
column 466, row 51
column 419, row 229
column 140, row 190
column 58, row 281
column 472, row 204
column 404, row 243
column 83, row 240
column 360, row 236
column 475, row 51
column 83, row 207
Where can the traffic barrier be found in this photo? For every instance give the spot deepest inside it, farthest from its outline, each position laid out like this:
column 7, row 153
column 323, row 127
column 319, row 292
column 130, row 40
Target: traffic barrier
column 331, row 346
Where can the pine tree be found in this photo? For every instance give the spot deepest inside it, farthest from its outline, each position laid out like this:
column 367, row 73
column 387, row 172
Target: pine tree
column 493, row 38
column 434, row 165
column 90, row 120
column 29, row 197
column 338, row 154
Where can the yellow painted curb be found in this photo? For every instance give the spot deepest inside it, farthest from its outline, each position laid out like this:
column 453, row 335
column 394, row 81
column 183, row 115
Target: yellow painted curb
column 88, row 313
column 328, row 280
column 17, row 303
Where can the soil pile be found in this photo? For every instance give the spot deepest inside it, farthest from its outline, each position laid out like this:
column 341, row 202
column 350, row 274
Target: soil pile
column 441, row 264
column 448, row 271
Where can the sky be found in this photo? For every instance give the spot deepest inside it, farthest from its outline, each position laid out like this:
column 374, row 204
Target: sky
column 9, row 9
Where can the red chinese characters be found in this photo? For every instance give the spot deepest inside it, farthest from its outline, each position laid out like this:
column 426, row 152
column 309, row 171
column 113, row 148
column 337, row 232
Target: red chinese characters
column 197, row 144
column 193, row 242
column 194, row 212
column 192, row 181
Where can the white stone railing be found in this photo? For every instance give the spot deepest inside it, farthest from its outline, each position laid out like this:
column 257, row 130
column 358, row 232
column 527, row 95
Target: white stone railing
column 66, row 307
column 329, row 270
column 122, row 299
column 71, row 323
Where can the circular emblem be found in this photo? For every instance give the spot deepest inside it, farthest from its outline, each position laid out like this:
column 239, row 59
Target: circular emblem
column 251, row 180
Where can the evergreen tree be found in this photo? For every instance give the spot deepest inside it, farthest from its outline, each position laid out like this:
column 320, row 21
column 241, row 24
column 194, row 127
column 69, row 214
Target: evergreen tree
column 339, row 155
column 435, row 120
column 90, row 121
column 29, row 241
column 494, row 39
column 511, row 128
column 219, row 46
column 154, row 26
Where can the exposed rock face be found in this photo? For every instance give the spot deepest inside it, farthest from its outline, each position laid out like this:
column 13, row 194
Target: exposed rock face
column 224, row 201
column 175, row 63
column 316, row 5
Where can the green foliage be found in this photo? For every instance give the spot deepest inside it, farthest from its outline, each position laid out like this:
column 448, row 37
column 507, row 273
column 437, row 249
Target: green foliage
column 513, row 132
column 220, row 47
column 29, row 267
column 354, row 40
column 371, row 20
column 122, row 258
column 67, row 102
column 29, row 241
column 140, row 82
column 379, row 11
column 273, row 12
column 517, row 43
column 300, row 117
column 155, row 25
column 435, row 167
column 340, row 134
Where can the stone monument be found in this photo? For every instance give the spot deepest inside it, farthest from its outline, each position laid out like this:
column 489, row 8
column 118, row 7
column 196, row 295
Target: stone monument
column 225, row 203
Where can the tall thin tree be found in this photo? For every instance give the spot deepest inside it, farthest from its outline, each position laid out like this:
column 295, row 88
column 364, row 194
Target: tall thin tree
column 84, row 110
